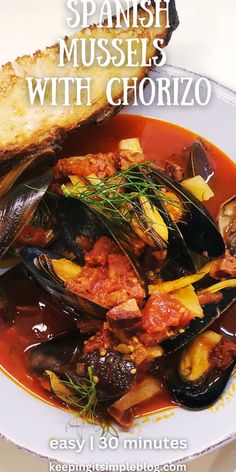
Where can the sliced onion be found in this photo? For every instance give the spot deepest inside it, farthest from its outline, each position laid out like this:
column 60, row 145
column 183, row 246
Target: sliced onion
column 122, row 409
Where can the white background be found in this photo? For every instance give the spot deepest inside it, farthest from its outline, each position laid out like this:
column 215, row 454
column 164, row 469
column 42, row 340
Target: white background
column 205, row 42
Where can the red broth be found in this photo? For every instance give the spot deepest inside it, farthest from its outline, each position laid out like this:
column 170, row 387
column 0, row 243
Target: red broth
column 36, row 319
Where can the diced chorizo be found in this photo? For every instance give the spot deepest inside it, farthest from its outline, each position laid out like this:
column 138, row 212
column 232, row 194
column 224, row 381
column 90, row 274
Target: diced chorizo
column 101, row 165
column 206, row 297
column 125, row 159
column 223, row 354
column 174, row 171
column 224, row 267
column 126, row 316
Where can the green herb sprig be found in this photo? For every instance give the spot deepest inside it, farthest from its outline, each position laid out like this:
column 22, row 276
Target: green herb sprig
column 84, row 396
column 121, row 191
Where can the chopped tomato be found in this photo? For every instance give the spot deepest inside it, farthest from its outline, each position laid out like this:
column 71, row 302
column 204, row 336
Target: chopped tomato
column 98, row 255
column 32, row 236
column 161, row 313
column 107, row 277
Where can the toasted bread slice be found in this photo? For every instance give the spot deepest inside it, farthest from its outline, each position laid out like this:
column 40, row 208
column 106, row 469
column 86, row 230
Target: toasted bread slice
column 26, row 129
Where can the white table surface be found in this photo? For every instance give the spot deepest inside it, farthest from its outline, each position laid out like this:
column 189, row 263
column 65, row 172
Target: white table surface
column 205, row 42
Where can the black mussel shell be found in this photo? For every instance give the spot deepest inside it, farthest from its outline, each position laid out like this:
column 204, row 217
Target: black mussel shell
column 178, row 255
column 62, row 354
column 58, row 355
column 199, row 231
column 76, row 218
column 27, row 168
column 18, row 206
column 70, row 302
column 200, row 164
column 212, row 311
column 199, row 393
column 113, row 372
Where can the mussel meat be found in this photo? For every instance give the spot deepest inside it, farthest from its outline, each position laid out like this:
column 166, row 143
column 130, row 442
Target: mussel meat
column 211, row 311
column 227, row 224
column 35, row 260
column 199, row 230
column 111, row 274
column 113, row 374
column 202, row 370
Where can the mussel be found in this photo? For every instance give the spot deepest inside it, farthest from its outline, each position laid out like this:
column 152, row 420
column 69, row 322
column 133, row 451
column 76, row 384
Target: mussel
column 200, row 164
column 200, row 373
column 76, row 220
column 18, row 206
column 151, row 221
column 58, row 355
column 227, row 224
column 211, row 311
column 198, row 228
column 37, row 261
column 27, row 168
column 64, row 356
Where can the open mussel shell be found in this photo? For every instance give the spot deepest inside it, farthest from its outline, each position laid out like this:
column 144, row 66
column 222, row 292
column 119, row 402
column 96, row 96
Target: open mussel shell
column 58, row 355
column 62, row 354
column 197, row 395
column 178, row 255
column 211, row 311
column 227, row 224
column 27, row 168
column 38, row 263
column 200, row 164
column 199, row 231
column 78, row 219
column 18, row 206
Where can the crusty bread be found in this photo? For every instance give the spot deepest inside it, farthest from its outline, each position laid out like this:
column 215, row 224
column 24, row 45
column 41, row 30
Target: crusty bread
column 25, row 128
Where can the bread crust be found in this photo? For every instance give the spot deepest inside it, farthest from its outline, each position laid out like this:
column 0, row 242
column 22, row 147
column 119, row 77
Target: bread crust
column 27, row 129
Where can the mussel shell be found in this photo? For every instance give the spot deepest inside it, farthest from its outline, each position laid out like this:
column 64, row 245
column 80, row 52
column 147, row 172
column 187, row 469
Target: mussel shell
column 61, row 355
column 27, row 168
column 200, row 232
column 71, row 302
column 18, row 206
column 58, row 355
column 76, row 218
column 178, row 253
column 227, row 224
column 113, row 372
column 197, row 395
column 200, row 164
column 212, row 311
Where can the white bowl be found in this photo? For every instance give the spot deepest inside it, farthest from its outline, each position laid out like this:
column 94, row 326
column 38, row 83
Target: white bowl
column 31, row 423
